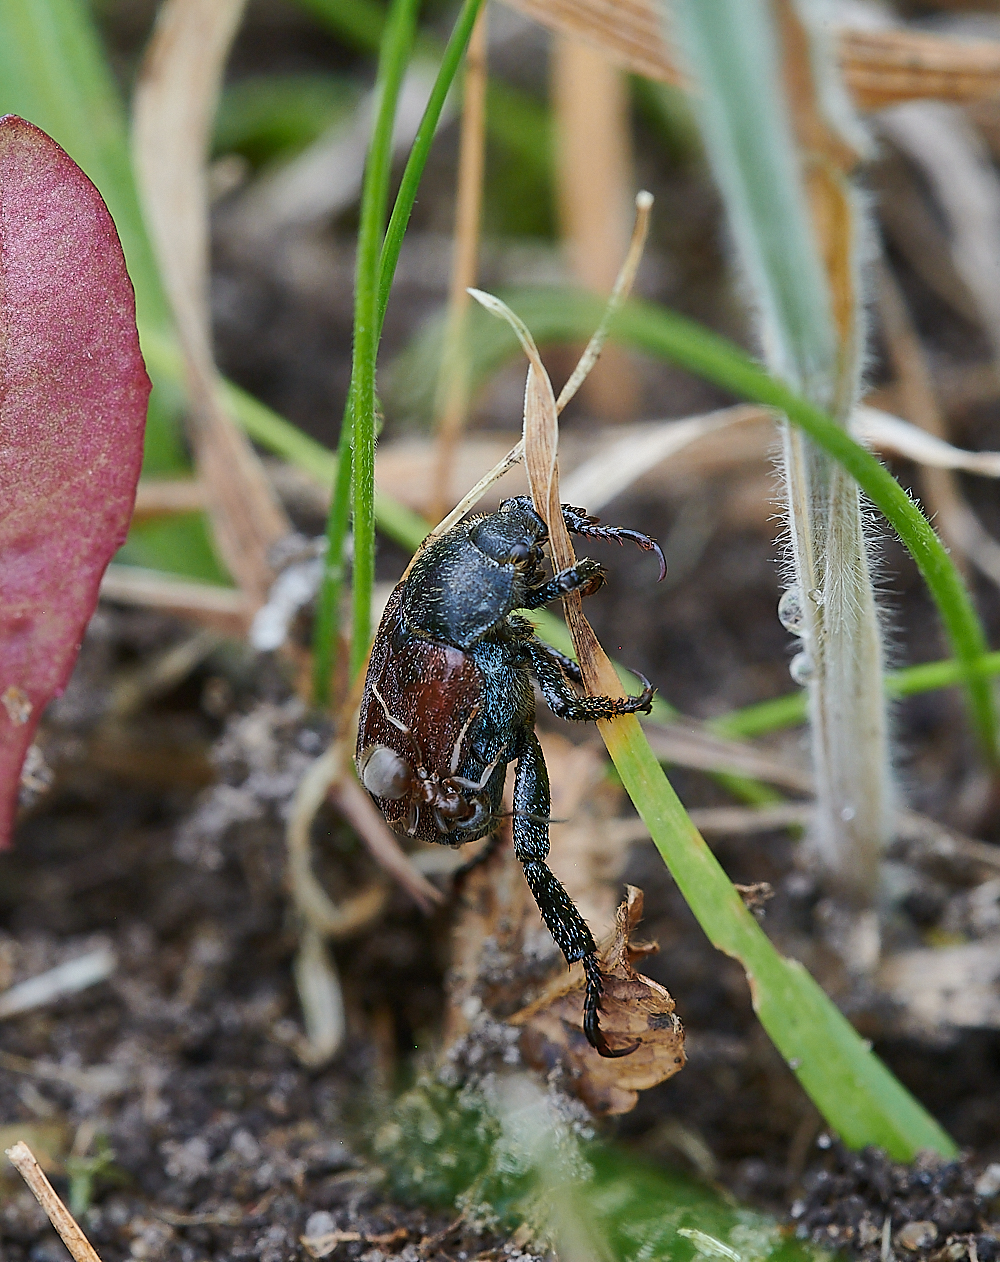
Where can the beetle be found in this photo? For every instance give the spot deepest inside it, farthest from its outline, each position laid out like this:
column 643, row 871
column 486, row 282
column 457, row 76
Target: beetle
column 448, row 702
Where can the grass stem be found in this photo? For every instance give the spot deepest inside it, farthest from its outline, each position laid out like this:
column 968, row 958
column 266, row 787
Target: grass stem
column 357, row 441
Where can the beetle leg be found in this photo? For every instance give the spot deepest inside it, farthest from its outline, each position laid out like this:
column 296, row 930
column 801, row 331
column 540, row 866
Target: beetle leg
column 562, row 701
column 580, row 522
column 566, row 664
column 477, row 785
column 585, row 577
column 395, row 722
column 562, row 918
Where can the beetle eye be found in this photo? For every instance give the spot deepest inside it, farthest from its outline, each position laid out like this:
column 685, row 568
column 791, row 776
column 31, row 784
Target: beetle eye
column 384, row 773
column 520, row 551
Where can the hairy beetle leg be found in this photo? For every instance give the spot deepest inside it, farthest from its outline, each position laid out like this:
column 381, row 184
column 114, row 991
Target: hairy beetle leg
column 566, row 664
column 562, row 917
column 591, row 1010
column 586, row 577
column 580, row 522
column 565, row 703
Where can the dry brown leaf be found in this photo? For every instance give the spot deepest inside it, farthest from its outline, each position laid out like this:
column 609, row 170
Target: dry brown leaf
column 880, row 67
column 174, row 106
column 633, row 1008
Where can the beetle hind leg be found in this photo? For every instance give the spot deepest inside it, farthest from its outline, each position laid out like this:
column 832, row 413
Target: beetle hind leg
column 561, row 915
column 591, row 1010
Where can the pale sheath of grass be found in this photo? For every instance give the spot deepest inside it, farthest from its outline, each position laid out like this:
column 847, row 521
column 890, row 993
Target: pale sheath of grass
column 733, row 49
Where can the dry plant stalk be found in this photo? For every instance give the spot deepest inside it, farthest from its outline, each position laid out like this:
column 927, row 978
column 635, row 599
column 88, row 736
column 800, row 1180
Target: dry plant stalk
column 879, row 67
column 23, row 1160
column 595, row 184
column 174, row 106
column 223, row 609
column 590, row 356
column 454, row 385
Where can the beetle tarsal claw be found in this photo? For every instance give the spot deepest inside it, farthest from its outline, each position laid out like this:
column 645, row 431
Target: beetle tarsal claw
column 591, row 1014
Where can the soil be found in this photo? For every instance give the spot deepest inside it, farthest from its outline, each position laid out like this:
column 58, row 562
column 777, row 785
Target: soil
column 161, row 837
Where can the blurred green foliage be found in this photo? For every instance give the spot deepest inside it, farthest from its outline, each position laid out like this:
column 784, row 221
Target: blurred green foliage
column 264, row 117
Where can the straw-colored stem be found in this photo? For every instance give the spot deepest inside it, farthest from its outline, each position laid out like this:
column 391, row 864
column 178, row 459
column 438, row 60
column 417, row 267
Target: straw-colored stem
column 23, row 1160
column 595, row 188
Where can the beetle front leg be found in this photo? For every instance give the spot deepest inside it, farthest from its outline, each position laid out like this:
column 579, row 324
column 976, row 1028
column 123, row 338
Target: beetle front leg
column 565, row 703
column 580, row 522
column 586, row 577
column 562, row 918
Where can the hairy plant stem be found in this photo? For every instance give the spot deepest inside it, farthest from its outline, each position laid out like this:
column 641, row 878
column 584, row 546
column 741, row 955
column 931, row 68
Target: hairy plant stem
column 796, row 225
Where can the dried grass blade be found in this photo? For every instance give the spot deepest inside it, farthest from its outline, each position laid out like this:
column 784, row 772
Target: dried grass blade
column 880, row 67
column 622, row 289
column 23, row 1160
column 612, row 469
column 688, row 744
column 891, row 433
column 223, row 609
column 620, row 292
column 174, row 106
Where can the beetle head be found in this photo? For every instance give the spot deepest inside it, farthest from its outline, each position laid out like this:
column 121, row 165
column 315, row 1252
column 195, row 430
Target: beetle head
column 384, row 773
column 513, row 533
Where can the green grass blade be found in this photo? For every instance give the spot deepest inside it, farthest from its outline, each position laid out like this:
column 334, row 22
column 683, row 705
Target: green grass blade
column 850, row 1086
column 420, row 151
column 514, row 119
column 396, row 44
column 720, row 361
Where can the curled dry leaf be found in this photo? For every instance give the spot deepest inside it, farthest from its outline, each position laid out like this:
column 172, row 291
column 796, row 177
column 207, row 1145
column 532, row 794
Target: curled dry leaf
column 73, row 391
column 634, row 1009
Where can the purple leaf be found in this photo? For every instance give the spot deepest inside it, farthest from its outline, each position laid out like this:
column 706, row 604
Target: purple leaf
column 73, row 393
